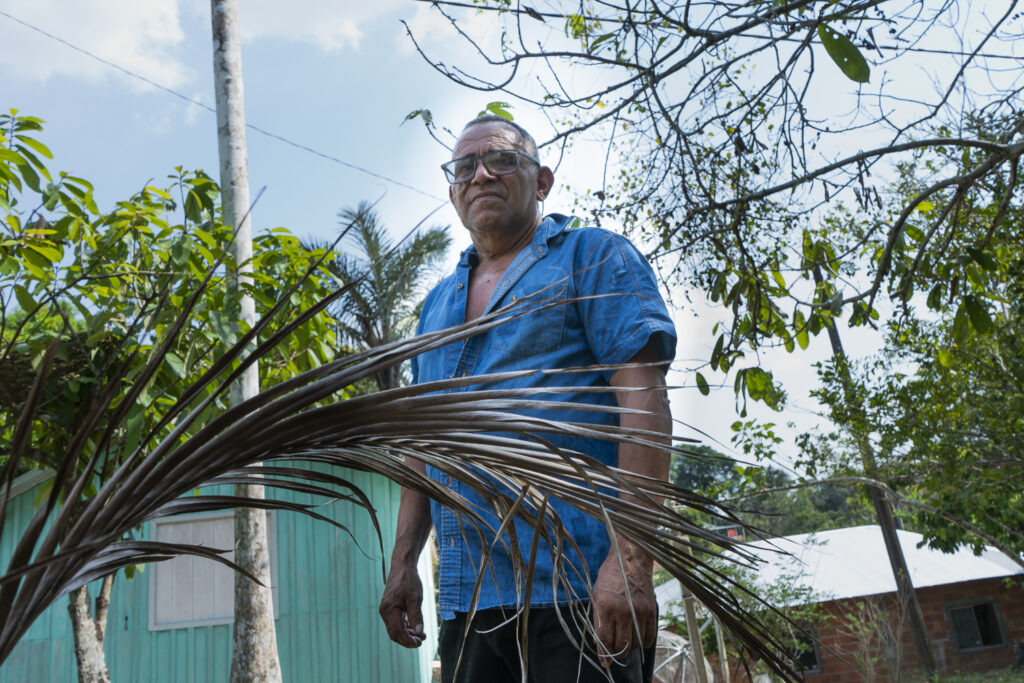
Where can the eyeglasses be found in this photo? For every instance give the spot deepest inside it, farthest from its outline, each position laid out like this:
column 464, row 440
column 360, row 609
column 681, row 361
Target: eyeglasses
column 498, row 163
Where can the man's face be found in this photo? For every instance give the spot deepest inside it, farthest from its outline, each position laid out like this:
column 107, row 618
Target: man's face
column 486, row 203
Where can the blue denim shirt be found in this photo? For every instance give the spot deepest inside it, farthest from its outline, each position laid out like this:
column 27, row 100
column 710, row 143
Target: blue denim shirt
column 570, row 263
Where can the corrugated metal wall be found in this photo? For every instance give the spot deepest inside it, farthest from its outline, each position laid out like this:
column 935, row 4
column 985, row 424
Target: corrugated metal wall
column 327, row 627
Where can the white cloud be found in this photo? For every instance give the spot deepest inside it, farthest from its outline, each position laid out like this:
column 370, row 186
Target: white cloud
column 434, row 30
column 142, row 37
column 330, row 25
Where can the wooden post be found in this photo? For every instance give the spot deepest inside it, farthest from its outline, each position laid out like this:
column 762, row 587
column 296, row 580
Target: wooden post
column 723, row 661
column 693, row 628
column 254, row 653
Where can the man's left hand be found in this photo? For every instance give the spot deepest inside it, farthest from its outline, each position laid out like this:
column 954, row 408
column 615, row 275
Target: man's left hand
column 612, row 596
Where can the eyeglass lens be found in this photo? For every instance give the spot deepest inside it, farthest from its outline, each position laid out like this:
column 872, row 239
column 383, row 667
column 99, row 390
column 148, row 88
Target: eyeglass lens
column 500, row 162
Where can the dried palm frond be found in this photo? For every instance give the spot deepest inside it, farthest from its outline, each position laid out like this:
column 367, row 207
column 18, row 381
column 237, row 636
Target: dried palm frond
column 303, row 420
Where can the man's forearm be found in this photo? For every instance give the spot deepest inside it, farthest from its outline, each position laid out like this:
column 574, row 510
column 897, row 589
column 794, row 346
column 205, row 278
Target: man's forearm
column 652, row 400
column 401, row 602
column 648, row 461
column 413, row 526
column 625, row 609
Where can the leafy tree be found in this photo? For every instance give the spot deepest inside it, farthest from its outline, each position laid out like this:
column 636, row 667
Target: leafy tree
column 946, row 403
column 98, row 293
column 699, row 467
column 766, row 498
column 385, row 282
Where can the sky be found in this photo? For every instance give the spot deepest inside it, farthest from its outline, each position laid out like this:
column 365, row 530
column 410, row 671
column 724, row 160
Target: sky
column 336, row 77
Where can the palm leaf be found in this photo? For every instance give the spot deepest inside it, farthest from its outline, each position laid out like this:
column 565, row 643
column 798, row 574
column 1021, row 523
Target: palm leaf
column 301, row 421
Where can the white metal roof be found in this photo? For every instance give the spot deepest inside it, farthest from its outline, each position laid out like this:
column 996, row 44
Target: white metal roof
column 847, row 563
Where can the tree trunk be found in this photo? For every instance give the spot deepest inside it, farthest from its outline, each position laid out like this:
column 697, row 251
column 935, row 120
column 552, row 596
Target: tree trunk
column 89, row 632
column 254, row 655
column 883, row 511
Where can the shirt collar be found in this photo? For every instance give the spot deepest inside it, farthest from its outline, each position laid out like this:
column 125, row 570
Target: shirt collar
column 551, row 226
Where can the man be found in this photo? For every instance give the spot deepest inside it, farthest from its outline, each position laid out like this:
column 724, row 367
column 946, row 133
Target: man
column 496, row 184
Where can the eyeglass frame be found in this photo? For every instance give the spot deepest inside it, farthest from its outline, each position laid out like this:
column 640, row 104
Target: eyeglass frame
column 479, row 158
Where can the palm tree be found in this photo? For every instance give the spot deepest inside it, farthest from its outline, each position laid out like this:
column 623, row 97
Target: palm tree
column 385, row 283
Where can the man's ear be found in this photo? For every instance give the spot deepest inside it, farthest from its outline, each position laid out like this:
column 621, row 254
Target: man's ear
column 451, row 194
column 545, row 181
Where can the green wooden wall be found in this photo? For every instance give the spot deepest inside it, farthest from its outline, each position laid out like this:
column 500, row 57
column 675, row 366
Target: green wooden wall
column 327, row 626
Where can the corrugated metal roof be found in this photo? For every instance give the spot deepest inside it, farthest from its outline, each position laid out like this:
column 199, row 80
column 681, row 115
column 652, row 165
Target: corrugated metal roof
column 847, row 563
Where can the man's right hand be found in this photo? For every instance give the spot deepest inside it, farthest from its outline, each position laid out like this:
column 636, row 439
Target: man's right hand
column 400, row 606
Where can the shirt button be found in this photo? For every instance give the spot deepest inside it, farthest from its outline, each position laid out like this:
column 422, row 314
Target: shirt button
column 459, row 286
column 451, row 541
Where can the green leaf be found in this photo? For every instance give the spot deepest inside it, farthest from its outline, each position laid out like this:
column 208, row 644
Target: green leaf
column 702, row 385
column 177, row 364
column 424, row 114
column 498, row 109
column 44, row 492
column 193, row 207
column 222, row 327
column 925, row 206
column 51, row 195
column 800, row 325
column 845, row 54
column 945, row 358
column 757, row 380
column 30, row 176
column 180, row 252
column 716, row 354
column 49, row 252
column 132, row 570
column 982, row 258
column 25, row 299
column 133, row 428
column 35, row 264
column 978, row 313
column 36, row 145
column 600, row 39
column 914, row 233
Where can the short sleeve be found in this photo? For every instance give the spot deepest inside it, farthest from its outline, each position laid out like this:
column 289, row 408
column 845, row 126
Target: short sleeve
column 627, row 311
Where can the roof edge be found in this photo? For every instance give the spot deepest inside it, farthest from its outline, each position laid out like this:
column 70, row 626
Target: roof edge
column 26, row 482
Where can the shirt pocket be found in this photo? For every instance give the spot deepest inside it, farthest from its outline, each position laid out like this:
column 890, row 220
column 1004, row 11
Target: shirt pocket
column 539, row 328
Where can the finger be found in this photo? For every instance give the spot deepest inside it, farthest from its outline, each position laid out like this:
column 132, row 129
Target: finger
column 650, row 635
column 393, row 623
column 396, row 626
column 604, row 632
column 612, row 643
column 414, row 617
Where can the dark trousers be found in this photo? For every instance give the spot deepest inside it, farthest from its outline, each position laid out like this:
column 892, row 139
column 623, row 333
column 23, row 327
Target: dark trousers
column 492, row 650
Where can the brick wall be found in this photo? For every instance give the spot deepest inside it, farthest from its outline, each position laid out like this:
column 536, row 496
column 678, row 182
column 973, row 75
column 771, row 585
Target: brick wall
column 857, row 640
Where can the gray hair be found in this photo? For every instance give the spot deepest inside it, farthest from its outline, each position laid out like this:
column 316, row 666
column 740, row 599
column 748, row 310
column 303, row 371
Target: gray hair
column 525, row 139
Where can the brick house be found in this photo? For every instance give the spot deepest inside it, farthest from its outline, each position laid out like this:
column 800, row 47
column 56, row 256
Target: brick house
column 973, row 605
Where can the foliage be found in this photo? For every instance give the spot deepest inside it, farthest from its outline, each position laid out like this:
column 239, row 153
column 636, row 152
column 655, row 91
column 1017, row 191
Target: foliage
column 728, row 133
column 766, row 498
column 105, row 287
column 944, row 400
column 385, row 283
column 194, row 442
column 875, row 624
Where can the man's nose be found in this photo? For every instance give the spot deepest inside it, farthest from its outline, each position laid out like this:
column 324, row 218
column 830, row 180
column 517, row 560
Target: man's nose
column 480, row 173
